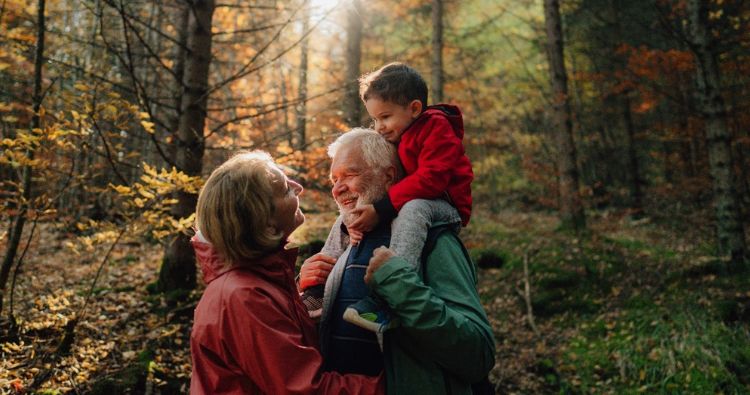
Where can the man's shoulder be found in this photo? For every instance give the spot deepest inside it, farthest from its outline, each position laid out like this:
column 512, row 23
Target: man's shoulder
column 442, row 240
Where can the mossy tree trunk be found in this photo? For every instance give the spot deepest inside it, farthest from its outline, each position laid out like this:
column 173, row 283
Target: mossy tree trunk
column 730, row 229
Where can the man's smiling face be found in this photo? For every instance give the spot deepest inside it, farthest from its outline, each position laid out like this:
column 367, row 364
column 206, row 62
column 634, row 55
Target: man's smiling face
column 354, row 183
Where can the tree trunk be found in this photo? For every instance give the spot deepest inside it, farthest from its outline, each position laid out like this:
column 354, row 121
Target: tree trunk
column 14, row 236
column 636, row 193
column 571, row 209
column 300, row 131
column 179, row 70
column 438, row 78
column 352, row 106
column 730, row 229
column 178, row 268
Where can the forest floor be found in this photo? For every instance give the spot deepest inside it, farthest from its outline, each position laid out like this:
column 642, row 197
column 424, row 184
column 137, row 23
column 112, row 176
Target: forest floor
column 630, row 307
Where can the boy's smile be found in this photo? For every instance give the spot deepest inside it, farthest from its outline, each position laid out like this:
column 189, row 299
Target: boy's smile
column 390, row 118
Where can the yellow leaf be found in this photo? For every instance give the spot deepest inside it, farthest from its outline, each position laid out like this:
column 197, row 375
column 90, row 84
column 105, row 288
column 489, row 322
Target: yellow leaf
column 148, row 126
column 146, row 194
column 122, row 189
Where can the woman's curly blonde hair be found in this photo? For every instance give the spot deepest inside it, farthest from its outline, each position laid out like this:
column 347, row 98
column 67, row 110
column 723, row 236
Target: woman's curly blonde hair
column 235, row 208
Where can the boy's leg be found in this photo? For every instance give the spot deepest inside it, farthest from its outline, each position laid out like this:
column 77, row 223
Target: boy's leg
column 409, row 229
column 408, row 235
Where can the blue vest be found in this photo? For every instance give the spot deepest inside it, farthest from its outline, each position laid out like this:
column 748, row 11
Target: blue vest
column 353, row 349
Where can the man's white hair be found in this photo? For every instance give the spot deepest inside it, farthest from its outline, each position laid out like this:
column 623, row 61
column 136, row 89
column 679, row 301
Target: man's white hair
column 377, row 152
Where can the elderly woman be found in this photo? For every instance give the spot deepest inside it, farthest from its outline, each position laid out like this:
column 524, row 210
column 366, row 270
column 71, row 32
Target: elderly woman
column 251, row 332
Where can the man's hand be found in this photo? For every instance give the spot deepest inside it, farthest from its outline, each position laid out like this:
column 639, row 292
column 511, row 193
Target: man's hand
column 366, row 220
column 379, row 257
column 315, row 270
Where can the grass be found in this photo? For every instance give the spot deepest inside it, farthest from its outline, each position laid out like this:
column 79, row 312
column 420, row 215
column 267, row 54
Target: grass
column 630, row 311
column 657, row 350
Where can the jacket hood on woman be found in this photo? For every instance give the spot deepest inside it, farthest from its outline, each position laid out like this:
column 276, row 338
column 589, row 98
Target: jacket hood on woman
column 252, row 335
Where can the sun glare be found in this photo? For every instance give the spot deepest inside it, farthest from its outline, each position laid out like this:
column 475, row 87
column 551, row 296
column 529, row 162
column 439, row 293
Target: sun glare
column 325, row 5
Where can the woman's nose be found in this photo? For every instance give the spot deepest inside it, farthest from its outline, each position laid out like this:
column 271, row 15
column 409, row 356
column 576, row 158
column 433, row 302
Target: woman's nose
column 297, row 187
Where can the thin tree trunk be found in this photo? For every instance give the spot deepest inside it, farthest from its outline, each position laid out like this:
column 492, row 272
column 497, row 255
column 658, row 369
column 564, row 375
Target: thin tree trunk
column 14, row 237
column 730, row 229
column 180, row 55
column 438, row 79
column 636, row 193
column 352, row 106
column 299, row 136
column 178, row 268
column 285, row 129
column 571, row 209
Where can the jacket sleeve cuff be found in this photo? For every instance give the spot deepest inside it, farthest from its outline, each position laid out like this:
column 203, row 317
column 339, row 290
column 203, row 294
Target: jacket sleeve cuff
column 385, row 271
column 385, row 209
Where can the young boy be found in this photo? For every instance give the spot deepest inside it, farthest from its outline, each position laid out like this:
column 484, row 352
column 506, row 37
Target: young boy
column 437, row 186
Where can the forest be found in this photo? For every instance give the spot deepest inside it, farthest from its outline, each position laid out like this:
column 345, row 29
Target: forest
column 609, row 139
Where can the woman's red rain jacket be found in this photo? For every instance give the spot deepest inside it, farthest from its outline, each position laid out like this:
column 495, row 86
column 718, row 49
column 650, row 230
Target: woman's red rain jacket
column 252, row 335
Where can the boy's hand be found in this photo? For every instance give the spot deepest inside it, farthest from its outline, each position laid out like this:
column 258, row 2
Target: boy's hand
column 366, row 220
column 315, row 270
column 379, row 257
column 355, row 236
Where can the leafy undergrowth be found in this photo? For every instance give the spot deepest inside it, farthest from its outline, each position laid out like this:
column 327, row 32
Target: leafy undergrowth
column 127, row 341
column 630, row 307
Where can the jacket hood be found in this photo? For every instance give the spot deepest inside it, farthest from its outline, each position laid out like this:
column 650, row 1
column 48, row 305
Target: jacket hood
column 276, row 265
column 452, row 113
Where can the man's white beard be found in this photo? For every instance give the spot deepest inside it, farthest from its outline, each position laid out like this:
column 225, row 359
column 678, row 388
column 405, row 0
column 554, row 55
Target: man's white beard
column 371, row 195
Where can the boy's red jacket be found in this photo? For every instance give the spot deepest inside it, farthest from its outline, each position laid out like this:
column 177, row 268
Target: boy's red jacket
column 435, row 162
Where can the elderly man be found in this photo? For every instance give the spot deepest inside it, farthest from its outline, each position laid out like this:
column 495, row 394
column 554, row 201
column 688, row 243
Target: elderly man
column 444, row 341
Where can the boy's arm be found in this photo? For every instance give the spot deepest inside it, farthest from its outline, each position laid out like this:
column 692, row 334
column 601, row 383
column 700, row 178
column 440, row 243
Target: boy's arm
column 440, row 150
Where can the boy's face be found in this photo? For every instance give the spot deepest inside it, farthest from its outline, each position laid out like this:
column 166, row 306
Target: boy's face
column 392, row 119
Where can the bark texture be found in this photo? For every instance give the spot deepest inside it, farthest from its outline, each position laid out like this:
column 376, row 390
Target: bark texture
column 178, row 269
column 352, row 105
column 438, row 79
column 14, row 236
column 571, row 209
column 300, row 133
column 730, row 229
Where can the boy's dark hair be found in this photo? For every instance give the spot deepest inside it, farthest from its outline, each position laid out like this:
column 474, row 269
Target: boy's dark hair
column 394, row 82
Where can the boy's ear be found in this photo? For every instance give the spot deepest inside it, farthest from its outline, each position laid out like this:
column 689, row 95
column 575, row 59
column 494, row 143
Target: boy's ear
column 415, row 107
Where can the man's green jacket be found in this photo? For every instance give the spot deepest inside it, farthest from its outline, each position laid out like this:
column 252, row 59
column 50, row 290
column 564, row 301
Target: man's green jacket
column 444, row 342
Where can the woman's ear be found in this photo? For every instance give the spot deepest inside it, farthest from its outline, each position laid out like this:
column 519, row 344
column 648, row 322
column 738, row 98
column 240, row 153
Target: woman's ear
column 415, row 107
